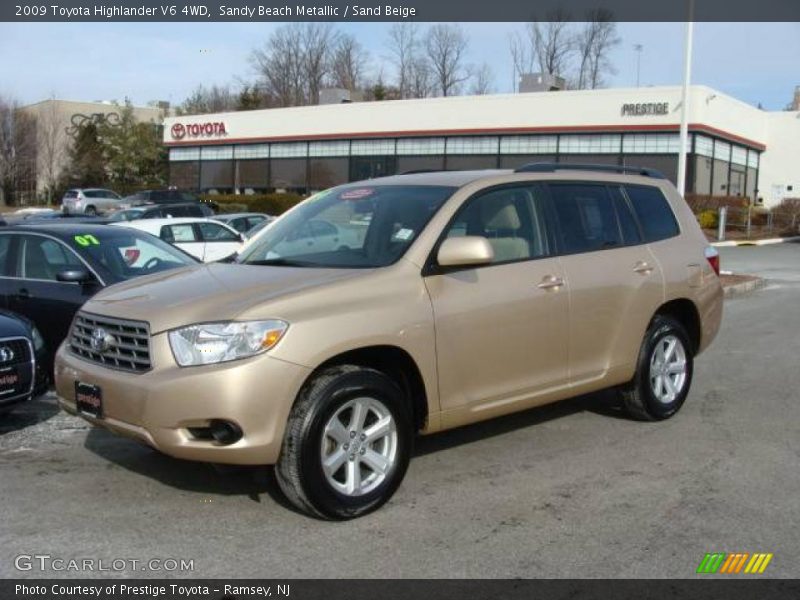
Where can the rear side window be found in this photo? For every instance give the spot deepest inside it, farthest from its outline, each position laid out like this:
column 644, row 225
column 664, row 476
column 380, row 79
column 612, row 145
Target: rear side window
column 178, row 233
column 627, row 222
column 654, row 213
column 5, row 255
column 586, row 217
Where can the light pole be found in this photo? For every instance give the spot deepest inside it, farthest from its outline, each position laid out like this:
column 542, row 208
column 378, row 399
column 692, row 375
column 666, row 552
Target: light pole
column 687, row 72
column 638, row 48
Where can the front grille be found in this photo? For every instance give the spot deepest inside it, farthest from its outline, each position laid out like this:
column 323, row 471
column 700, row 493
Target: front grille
column 118, row 343
column 14, row 351
column 16, row 369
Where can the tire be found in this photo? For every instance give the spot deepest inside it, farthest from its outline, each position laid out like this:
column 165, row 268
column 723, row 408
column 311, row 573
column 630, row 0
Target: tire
column 659, row 388
column 322, row 427
column 90, row 210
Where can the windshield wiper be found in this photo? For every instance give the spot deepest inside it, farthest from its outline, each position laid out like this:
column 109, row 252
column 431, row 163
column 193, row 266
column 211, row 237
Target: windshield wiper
column 279, row 262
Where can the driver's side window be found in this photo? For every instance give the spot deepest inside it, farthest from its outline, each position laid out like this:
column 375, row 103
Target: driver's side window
column 43, row 258
column 510, row 218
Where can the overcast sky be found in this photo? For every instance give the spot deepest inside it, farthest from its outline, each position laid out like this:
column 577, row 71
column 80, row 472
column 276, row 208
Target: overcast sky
column 756, row 62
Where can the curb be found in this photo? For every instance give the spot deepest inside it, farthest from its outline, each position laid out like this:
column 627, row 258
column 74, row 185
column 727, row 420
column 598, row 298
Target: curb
column 737, row 289
column 768, row 242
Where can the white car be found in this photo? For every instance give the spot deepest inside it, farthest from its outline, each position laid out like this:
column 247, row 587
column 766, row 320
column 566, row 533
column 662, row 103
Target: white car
column 317, row 235
column 205, row 239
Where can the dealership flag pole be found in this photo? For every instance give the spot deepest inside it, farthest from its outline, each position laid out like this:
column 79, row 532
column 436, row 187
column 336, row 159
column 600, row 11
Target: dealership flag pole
column 687, row 71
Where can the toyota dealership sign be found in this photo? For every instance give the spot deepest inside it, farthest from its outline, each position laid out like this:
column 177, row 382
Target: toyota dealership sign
column 211, row 129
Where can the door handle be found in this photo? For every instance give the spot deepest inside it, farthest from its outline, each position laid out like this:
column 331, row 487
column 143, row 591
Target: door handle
column 550, row 282
column 23, row 294
column 642, row 267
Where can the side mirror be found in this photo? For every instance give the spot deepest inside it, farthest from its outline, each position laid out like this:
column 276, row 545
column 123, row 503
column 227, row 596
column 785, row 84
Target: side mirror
column 242, row 237
column 465, row 251
column 74, row 276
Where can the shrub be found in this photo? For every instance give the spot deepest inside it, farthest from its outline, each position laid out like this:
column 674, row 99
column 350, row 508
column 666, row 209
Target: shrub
column 271, row 204
column 707, row 219
column 700, row 202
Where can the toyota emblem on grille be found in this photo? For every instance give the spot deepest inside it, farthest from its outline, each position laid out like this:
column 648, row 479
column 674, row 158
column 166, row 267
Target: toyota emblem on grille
column 101, row 340
column 6, row 354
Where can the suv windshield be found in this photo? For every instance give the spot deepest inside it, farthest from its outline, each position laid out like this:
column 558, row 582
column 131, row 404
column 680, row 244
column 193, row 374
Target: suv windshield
column 349, row 227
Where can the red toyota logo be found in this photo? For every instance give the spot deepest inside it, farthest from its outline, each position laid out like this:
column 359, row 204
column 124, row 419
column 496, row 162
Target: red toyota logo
column 178, row 131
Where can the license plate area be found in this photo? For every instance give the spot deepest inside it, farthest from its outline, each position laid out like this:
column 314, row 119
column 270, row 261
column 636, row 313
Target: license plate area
column 89, row 399
column 9, row 381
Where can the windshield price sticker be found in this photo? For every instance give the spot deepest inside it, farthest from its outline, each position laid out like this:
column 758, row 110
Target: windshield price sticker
column 86, row 240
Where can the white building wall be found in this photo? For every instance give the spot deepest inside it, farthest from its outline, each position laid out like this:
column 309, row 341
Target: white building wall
column 780, row 162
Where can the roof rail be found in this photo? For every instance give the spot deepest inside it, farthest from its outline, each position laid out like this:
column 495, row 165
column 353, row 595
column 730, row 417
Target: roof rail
column 551, row 167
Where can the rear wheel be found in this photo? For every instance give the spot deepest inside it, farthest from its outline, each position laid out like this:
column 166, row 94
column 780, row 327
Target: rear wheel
column 90, row 210
column 663, row 374
column 347, row 443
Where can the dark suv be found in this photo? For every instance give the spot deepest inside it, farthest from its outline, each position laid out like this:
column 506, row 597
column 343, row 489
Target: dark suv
column 161, row 197
column 201, row 210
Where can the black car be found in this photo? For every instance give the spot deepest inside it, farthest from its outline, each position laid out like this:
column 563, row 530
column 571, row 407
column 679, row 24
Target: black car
column 47, row 271
column 22, row 358
column 167, row 196
column 163, row 211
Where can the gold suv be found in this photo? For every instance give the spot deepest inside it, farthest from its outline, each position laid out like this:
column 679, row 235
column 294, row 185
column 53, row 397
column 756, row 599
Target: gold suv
column 411, row 304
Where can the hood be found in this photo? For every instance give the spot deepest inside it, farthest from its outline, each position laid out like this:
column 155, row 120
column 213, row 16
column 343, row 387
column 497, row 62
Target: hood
column 210, row 292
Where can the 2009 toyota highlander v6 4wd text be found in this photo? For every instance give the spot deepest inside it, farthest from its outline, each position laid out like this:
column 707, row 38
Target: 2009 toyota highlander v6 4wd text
column 414, row 303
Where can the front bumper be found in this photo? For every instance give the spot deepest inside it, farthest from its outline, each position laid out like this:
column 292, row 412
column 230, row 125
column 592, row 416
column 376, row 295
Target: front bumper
column 158, row 407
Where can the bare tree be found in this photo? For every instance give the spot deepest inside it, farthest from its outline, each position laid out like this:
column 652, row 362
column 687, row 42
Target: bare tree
column 404, row 49
column 17, row 152
column 217, row 98
column 318, row 42
column 523, row 55
column 348, row 63
column 482, row 81
column 294, row 62
column 279, row 65
column 605, row 39
column 420, row 82
column 553, row 42
column 445, row 46
column 51, row 144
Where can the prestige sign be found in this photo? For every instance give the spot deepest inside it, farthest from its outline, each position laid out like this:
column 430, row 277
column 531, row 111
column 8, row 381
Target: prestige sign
column 212, row 129
column 643, row 109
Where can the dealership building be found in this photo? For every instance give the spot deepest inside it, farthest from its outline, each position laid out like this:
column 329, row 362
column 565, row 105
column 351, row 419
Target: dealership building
column 735, row 149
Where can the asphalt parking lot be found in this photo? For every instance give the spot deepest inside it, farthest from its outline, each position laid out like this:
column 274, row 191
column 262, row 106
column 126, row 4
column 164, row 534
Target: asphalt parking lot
column 570, row 490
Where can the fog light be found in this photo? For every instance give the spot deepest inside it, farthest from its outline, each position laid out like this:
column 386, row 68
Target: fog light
column 225, row 432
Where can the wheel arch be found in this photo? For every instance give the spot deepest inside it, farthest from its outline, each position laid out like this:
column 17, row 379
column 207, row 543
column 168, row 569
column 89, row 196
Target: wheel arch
column 684, row 311
column 397, row 364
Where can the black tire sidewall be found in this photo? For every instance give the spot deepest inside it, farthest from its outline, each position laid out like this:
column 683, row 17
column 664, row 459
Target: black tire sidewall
column 659, row 329
column 329, row 399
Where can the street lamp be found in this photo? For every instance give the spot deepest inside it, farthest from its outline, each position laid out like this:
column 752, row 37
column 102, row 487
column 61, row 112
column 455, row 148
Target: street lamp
column 687, row 71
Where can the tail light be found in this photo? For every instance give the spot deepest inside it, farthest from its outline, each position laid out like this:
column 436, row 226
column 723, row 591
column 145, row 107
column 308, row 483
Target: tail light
column 712, row 256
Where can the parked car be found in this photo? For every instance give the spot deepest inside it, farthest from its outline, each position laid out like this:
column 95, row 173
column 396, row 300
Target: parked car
column 22, row 358
column 244, row 222
column 205, row 239
column 47, row 271
column 163, row 211
column 167, row 196
column 472, row 295
column 91, row 201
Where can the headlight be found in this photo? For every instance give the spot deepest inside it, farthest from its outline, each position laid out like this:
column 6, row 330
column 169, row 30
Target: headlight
column 38, row 340
column 208, row 343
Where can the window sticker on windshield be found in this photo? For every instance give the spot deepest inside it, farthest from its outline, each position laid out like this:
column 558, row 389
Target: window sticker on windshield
column 403, row 235
column 86, row 240
column 356, row 194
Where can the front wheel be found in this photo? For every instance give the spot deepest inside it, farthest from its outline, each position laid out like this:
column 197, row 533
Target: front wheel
column 663, row 373
column 347, row 443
